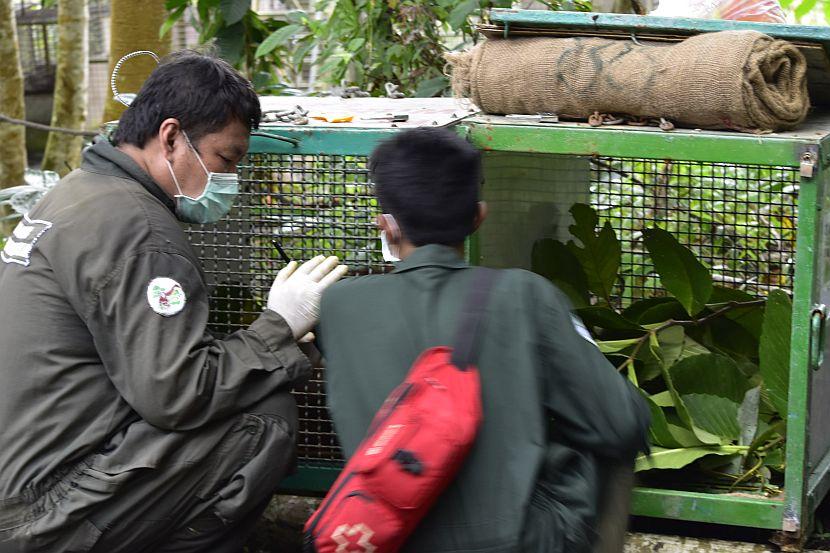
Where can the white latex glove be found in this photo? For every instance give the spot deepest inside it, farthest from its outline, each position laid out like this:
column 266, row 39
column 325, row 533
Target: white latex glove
column 295, row 294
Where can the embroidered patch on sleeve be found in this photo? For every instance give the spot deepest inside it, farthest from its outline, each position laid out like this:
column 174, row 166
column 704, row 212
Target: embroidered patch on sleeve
column 19, row 245
column 165, row 296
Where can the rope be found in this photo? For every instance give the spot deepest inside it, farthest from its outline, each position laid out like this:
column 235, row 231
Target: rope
column 117, row 67
column 48, row 128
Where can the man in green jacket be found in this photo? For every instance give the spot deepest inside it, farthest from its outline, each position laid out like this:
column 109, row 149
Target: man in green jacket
column 556, row 413
column 127, row 426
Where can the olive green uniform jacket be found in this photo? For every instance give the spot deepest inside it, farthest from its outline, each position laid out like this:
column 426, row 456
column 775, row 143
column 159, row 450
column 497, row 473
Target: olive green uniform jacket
column 90, row 347
column 529, row 484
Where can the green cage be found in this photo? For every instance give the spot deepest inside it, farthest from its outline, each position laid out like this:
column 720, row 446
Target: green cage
column 308, row 188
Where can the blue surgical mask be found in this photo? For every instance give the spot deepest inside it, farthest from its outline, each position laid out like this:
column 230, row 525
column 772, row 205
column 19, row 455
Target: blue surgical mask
column 221, row 190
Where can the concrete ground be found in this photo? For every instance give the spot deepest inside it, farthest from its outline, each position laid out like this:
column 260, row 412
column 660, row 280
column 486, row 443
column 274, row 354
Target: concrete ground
column 280, row 531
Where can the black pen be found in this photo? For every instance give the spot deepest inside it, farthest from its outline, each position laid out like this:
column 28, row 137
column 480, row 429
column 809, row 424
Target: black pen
column 282, row 252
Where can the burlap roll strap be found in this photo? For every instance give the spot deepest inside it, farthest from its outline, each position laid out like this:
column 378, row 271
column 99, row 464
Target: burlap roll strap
column 740, row 80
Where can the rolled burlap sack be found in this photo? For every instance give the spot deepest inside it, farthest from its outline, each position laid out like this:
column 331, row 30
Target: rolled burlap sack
column 740, row 80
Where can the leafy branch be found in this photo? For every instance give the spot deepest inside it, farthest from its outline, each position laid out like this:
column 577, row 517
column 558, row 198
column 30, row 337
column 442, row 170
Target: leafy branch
column 711, row 362
column 651, row 333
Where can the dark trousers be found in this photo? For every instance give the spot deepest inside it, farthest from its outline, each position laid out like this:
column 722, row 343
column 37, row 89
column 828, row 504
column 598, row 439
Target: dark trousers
column 580, row 504
column 157, row 491
column 614, row 504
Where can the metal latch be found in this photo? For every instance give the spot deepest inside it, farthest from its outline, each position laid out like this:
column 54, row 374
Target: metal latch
column 817, row 317
column 808, row 165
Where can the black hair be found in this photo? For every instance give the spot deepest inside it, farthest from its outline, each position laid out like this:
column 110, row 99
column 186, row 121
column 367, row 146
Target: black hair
column 428, row 179
column 203, row 92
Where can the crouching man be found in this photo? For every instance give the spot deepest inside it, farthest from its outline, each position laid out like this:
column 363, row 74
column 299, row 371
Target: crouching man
column 126, row 425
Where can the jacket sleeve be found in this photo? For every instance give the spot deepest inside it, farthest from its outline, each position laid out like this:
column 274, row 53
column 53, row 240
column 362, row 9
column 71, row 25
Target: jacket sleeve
column 593, row 406
column 164, row 362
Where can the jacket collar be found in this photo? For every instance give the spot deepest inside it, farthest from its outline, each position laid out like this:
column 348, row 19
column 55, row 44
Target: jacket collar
column 105, row 159
column 431, row 255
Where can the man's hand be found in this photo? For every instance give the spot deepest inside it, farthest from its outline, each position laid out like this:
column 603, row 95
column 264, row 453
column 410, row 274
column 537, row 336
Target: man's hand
column 295, row 294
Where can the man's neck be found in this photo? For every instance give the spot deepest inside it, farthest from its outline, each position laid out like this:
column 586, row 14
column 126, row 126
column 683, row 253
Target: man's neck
column 139, row 155
column 406, row 248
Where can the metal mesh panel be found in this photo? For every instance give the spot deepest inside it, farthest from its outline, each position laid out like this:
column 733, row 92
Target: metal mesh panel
column 740, row 220
column 310, row 205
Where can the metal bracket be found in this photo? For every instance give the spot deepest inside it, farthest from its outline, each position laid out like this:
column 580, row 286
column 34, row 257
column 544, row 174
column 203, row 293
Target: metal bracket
column 817, row 317
column 808, row 160
column 293, row 141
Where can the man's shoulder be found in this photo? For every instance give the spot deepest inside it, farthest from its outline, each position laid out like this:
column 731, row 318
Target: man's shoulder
column 355, row 287
column 516, row 281
column 113, row 208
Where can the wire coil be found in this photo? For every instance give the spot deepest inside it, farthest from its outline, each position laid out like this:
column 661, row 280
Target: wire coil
column 127, row 99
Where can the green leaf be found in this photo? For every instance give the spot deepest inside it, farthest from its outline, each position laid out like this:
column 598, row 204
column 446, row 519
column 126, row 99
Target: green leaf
column 204, row 8
column 714, row 414
column 171, row 20
column 460, row 13
column 600, row 253
column 775, row 459
column 301, row 53
column 827, row 12
column 683, row 413
column 431, row 87
column 650, row 366
column 234, row 10
column 661, row 312
column 663, row 458
column 556, row 262
column 668, row 345
column 775, row 349
column 659, row 433
column 261, row 80
column 804, row 8
column 663, row 399
column 356, row 44
column 709, row 374
column 750, row 318
column 684, row 436
column 296, row 16
column 680, row 271
column 231, row 43
column 635, row 311
column 615, row 346
column 728, row 337
column 277, row 38
column 605, row 318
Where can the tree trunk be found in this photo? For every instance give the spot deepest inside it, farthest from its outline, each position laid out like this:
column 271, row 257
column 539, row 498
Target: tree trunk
column 12, row 137
column 63, row 151
column 134, row 26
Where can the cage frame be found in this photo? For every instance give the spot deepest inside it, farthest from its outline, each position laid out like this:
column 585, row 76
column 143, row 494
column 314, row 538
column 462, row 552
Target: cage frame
column 805, row 486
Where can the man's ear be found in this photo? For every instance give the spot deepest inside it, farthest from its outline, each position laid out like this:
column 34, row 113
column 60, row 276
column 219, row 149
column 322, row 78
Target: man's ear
column 168, row 133
column 481, row 215
column 382, row 223
column 388, row 224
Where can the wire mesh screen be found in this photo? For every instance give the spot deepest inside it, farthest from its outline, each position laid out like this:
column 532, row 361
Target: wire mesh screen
column 308, row 205
column 740, row 220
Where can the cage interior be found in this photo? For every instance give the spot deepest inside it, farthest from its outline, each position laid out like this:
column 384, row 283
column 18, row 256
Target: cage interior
column 739, row 219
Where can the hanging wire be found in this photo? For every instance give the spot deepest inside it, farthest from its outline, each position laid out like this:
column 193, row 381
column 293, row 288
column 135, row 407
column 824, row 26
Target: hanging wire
column 126, row 99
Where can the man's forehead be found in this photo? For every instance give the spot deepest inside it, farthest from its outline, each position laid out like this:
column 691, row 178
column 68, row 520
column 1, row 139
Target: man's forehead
column 230, row 140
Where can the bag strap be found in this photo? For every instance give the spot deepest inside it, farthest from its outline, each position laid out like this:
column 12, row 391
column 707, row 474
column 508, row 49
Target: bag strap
column 471, row 321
